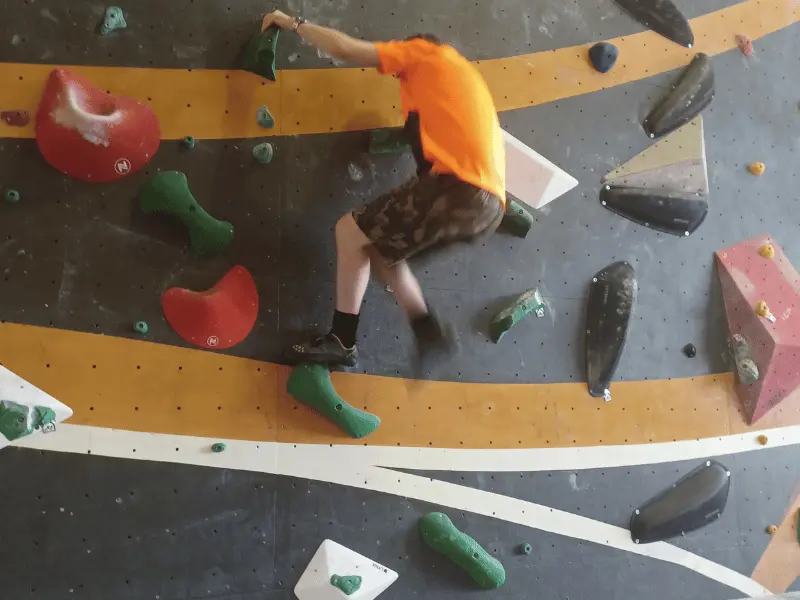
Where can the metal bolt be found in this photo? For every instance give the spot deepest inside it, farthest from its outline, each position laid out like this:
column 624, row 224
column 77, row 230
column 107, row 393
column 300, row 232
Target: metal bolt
column 637, row 511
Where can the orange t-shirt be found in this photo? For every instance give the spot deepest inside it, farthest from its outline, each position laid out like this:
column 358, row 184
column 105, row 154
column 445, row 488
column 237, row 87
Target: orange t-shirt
column 459, row 129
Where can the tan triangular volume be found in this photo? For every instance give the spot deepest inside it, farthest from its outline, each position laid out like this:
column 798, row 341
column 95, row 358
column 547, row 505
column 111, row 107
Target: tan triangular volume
column 686, row 176
column 686, row 144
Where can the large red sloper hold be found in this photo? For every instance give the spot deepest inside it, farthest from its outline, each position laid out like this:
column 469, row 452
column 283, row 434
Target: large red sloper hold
column 217, row 318
column 91, row 135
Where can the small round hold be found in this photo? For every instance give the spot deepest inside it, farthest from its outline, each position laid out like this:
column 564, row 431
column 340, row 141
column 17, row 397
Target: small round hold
column 141, row 327
column 690, row 351
column 189, row 142
column 757, row 168
column 219, row 447
column 762, row 310
column 767, row 251
column 772, row 530
column 263, row 153
column 525, row 549
column 603, row 56
column 762, row 439
column 12, row 196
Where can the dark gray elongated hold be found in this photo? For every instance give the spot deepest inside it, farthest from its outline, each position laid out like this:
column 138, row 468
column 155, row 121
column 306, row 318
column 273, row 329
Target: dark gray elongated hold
column 670, row 211
column 663, row 17
column 689, row 94
column 612, row 296
column 694, row 501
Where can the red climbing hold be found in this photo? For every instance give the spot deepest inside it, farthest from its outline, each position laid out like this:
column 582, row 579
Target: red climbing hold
column 90, row 134
column 745, row 44
column 15, row 118
column 218, row 318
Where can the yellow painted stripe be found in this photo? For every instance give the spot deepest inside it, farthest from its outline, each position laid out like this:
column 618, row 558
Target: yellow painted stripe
column 141, row 386
column 222, row 104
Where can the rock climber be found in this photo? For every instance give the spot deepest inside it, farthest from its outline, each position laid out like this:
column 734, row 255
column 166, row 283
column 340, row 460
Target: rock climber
column 457, row 195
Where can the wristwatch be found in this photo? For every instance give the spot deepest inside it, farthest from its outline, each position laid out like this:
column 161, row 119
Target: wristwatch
column 297, row 22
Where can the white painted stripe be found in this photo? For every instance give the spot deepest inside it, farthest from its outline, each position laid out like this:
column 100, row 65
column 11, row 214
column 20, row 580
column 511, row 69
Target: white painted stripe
column 355, row 466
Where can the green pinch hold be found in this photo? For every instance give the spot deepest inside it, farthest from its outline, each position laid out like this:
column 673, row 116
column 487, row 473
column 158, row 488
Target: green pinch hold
column 311, row 384
column 517, row 220
column 439, row 533
column 141, row 327
column 259, row 54
column 349, row 584
column 168, row 192
column 263, row 153
column 189, row 142
column 12, row 196
column 519, row 307
column 113, row 19
column 19, row 420
column 264, row 119
column 525, row 549
column 746, row 368
column 388, row 141
column 219, row 447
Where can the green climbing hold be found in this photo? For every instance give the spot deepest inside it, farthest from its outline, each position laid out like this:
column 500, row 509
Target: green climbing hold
column 141, row 327
column 263, row 153
column 515, row 311
column 517, row 220
column 264, row 119
column 113, row 19
column 439, row 533
column 311, row 385
column 19, row 420
column 388, row 141
column 189, row 142
column 219, row 447
column 12, row 196
column 168, row 192
column 525, row 549
column 349, row 584
column 259, row 55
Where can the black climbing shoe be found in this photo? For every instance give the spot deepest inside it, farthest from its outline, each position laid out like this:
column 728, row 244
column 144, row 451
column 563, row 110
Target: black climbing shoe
column 327, row 349
column 436, row 341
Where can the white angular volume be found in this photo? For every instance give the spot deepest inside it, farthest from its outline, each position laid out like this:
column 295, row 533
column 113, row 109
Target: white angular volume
column 18, row 397
column 334, row 559
column 531, row 177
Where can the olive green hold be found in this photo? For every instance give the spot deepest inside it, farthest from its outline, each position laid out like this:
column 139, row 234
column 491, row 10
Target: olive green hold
column 218, row 447
column 517, row 220
column 19, row 420
column 388, row 141
column 141, row 327
column 264, row 118
column 439, row 533
column 259, row 55
column 263, row 153
column 525, row 549
column 349, row 584
column 12, row 196
column 514, row 311
column 189, row 142
column 112, row 20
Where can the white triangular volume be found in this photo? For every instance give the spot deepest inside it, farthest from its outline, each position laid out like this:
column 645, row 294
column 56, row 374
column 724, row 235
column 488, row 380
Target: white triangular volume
column 21, row 404
column 531, row 177
column 334, row 559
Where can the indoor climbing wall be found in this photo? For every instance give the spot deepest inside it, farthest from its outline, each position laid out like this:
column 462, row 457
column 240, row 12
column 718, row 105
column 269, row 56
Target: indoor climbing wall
column 127, row 499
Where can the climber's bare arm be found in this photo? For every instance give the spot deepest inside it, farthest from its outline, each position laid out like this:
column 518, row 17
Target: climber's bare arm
column 337, row 44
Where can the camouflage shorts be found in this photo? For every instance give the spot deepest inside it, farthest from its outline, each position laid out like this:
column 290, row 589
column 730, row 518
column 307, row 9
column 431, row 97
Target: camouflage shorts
column 429, row 211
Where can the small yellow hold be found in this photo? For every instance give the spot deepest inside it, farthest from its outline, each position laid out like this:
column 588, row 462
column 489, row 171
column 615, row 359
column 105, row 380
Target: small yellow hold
column 772, row 530
column 762, row 439
column 762, row 310
column 757, row 168
column 767, row 251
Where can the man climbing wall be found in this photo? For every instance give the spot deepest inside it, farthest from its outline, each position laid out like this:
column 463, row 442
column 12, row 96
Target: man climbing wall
column 457, row 195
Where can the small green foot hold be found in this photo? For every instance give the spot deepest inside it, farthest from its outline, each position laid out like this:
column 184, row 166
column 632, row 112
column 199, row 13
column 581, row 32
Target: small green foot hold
column 168, row 192
column 525, row 549
column 388, row 141
column 745, row 365
column 19, row 420
column 311, row 385
column 259, row 55
column 218, row 447
column 141, row 327
column 12, row 196
column 264, row 119
column 188, row 142
column 263, row 153
column 112, row 20
column 517, row 220
column 439, row 533
column 349, row 584
column 530, row 301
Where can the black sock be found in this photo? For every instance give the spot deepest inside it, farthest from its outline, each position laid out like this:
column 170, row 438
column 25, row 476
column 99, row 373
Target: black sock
column 344, row 327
